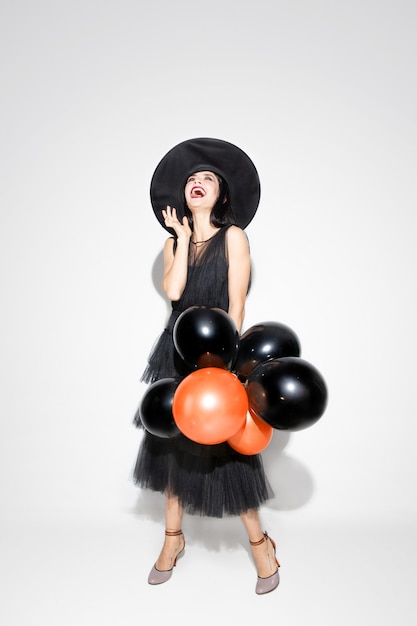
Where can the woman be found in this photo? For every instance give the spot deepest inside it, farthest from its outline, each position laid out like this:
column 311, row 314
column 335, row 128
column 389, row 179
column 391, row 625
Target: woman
column 206, row 263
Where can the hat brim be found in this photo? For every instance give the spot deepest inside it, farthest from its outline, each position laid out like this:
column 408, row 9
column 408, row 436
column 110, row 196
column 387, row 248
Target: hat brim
column 200, row 154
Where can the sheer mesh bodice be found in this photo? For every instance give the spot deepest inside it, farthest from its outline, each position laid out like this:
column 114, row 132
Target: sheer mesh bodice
column 207, row 275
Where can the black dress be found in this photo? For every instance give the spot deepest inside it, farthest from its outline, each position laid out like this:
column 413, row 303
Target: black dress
column 210, row 480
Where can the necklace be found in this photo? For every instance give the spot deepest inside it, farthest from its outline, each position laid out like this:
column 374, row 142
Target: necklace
column 197, row 242
column 203, row 241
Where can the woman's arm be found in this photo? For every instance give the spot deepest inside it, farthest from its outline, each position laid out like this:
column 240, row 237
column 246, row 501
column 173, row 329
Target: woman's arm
column 175, row 265
column 239, row 273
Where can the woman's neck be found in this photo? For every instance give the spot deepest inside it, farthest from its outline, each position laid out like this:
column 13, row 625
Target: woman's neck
column 202, row 230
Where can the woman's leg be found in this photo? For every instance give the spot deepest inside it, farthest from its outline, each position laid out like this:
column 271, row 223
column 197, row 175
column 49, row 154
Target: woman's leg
column 173, row 544
column 263, row 553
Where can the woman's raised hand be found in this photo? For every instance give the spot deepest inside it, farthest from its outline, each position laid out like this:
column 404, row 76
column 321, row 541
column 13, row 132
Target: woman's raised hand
column 182, row 229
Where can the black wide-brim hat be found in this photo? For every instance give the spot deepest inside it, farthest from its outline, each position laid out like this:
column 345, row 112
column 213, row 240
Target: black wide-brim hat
column 205, row 154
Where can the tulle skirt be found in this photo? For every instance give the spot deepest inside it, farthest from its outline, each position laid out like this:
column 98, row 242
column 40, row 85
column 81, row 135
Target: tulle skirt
column 209, row 480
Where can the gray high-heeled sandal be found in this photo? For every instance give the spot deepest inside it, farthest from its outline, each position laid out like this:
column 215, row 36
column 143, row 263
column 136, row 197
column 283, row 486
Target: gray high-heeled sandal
column 265, row 585
column 159, row 576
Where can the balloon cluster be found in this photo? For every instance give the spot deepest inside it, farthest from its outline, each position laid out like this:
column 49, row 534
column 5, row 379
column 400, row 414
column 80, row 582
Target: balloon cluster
column 240, row 388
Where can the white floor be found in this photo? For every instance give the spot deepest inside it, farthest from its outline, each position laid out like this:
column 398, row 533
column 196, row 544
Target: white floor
column 92, row 570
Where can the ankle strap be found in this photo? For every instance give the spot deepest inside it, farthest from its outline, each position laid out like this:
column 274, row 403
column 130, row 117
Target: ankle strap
column 258, row 543
column 173, row 533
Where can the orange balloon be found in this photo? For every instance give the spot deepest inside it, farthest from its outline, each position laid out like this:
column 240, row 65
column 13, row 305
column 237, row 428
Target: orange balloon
column 210, row 405
column 253, row 436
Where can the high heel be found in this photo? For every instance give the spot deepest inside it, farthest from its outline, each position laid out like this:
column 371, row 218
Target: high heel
column 159, row 576
column 265, row 585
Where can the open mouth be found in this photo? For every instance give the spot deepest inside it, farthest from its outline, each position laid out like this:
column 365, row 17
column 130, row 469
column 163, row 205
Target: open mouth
column 197, row 192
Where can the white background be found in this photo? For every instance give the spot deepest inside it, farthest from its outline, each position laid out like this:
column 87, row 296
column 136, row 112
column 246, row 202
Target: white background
column 322, row 96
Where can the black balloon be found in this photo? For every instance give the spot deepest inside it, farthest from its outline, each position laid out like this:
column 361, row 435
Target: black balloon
column 269, row 340
column 287, row 393
column 156, row 408
column 206, row 337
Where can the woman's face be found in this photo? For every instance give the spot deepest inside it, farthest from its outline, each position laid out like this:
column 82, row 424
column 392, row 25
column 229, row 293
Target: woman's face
column 202, row 189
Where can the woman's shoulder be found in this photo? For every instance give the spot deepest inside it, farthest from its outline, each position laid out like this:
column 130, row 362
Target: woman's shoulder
column 236, row 235
column 169, row 243
column 235, row 230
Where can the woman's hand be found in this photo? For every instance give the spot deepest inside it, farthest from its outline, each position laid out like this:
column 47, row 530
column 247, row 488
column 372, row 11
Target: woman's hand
column 182, row 229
